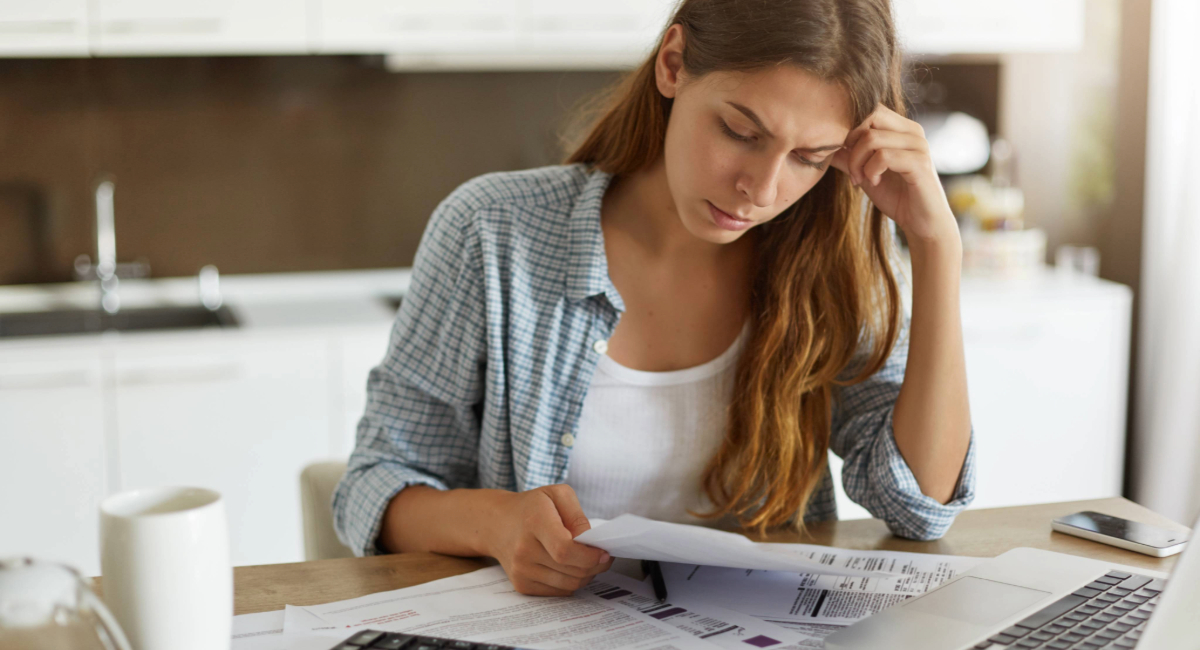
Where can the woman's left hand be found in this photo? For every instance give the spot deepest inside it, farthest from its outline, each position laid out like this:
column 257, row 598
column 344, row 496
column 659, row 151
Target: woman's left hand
column 888, row 157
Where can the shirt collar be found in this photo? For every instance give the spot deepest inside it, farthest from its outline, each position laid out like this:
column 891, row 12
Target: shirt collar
column 587, row 262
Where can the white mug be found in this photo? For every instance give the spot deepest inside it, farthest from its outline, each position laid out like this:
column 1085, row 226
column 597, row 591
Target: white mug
column 164, row 556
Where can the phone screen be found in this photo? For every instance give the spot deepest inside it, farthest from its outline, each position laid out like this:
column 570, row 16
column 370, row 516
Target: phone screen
column 1124, row 529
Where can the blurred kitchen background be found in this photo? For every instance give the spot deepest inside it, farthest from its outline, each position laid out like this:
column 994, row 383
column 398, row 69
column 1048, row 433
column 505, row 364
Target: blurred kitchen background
column 245, row 183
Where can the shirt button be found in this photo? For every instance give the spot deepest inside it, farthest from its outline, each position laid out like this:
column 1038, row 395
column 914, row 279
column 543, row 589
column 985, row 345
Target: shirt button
column 600, row 346
column 568, row 440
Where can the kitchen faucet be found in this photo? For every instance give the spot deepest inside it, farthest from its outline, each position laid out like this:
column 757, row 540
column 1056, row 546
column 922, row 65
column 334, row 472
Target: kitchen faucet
column 106, row 270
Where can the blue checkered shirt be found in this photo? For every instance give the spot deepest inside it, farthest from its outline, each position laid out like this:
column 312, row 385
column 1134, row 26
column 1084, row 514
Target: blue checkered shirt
column 492, row 353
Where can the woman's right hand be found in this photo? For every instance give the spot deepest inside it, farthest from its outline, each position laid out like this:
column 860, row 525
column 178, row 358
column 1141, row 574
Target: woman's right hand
column 534, row 540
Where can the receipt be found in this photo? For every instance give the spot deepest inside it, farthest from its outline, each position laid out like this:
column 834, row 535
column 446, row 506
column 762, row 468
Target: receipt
column 721, row 627
column 639, row 538
column 798, row 600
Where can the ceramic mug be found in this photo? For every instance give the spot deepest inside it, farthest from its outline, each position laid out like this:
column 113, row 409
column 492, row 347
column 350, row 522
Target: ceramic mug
column 167, row 578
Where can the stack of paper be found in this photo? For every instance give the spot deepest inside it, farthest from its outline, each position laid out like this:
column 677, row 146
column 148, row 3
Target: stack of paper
column 613, row 611
column 805, row 593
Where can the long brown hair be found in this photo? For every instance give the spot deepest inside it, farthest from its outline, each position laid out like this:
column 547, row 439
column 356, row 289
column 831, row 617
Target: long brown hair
column 823, row 288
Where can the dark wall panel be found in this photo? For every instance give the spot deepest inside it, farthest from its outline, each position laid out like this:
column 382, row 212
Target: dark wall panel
column 255, row 164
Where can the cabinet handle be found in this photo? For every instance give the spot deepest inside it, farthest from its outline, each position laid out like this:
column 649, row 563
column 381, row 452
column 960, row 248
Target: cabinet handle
column 47, row 380
column 164, row 26
column 180, row 375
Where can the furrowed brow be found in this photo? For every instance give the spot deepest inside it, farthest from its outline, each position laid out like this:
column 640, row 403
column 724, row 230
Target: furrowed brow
column 753, row 117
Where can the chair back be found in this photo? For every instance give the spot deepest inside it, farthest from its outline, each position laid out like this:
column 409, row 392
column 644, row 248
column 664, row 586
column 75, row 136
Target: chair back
column 317, row 483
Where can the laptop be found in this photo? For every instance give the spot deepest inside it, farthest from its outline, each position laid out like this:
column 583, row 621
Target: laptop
column 1031, row 598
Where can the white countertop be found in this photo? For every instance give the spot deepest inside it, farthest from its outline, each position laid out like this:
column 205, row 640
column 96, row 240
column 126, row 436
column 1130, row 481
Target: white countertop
column 340, row 299
column 327, row 299
column 235, row 289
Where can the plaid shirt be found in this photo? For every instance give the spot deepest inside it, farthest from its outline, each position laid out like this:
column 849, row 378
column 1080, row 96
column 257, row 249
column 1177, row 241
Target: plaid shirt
column 495, row 344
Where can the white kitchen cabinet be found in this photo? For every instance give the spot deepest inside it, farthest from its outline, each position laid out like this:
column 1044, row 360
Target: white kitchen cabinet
column 52, row 454
column 955, row 26
column 357, row 354
column 447, row 26
column 612, row 26
column 239, row 410
column 242, row 416
column 154, row 27
column 49, row 28
column 493, row 34
column 484, row 34
column 1047, row 375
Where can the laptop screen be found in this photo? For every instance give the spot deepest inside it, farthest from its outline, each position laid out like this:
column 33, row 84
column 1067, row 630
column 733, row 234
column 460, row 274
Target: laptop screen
column 1174, row 625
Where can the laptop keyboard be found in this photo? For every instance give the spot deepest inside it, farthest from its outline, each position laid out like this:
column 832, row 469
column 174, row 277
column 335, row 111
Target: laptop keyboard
column 1109, row 612
column 376, row 640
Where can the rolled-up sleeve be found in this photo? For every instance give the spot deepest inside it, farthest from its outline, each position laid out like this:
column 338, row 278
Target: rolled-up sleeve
column 874, row 473
column 421, row 423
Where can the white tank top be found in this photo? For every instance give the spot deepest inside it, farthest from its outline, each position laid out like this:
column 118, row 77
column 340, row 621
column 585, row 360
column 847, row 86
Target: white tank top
column 644, row 438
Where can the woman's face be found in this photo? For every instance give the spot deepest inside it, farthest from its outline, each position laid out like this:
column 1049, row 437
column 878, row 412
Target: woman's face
column 745, row 144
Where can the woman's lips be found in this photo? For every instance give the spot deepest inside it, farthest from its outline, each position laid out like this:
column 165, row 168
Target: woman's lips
column 726, row 221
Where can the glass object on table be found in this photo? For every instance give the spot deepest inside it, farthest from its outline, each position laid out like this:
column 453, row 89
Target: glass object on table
column 1085, row 260
column 45, row 606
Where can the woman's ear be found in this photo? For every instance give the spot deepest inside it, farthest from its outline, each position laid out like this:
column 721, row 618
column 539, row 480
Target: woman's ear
column 668, row 64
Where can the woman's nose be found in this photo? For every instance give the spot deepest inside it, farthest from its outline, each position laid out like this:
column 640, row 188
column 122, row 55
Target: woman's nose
column 760, row 182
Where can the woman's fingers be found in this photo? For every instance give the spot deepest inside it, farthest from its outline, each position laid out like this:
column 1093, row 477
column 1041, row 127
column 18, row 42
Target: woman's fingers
column 578, row 572
column 604, row 566
column 908, row 164
column 544, row 558
column 558, row 533
column 565, row 551
column 884, row 118
column 875, row 141
column 569, row 511
column 573, row 571
column 883, row 128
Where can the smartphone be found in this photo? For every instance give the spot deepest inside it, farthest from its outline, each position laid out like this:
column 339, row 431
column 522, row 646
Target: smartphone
column 1122, row 533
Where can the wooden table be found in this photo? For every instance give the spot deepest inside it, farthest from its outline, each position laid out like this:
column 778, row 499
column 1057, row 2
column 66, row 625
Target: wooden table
column 980, row 533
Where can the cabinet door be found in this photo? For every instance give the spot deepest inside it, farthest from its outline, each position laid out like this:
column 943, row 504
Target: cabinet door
column 239, row 415
column 359, row 353
column 43, row 28
column 416, row 26
column 952, row 26
column 52, row 463
column 616, row 26
column 200, row 27
column 1047, row 370
column 1047, row 383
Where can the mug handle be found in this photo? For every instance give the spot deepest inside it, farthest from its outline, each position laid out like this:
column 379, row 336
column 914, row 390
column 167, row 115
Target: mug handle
column 111, row 635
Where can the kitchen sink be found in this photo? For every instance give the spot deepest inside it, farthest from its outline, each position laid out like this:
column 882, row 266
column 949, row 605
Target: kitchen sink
column 83, row 321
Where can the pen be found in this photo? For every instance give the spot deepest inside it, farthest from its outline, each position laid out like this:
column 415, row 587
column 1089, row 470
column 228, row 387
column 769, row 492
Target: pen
column 656, row 577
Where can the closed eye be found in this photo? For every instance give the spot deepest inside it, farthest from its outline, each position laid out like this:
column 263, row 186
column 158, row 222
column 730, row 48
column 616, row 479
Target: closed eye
column 733, row 134
column 742, row 138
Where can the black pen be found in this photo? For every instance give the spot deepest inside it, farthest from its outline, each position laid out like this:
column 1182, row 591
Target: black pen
column 656, row 577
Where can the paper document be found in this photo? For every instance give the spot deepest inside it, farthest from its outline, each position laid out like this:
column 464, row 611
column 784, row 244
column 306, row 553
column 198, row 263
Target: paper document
column 483, row 606
column 721, row 627
column 646, row 539
column 799, row 600
column 265, row 632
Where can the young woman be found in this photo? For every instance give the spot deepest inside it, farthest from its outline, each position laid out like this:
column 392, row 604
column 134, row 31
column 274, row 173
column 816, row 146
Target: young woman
column 682, row 320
